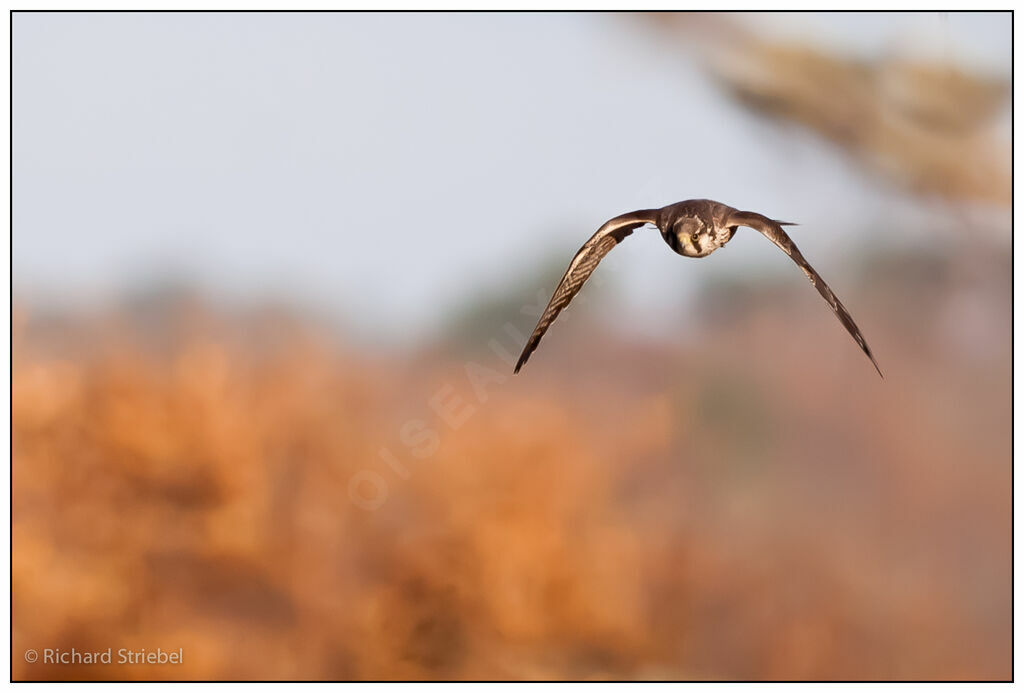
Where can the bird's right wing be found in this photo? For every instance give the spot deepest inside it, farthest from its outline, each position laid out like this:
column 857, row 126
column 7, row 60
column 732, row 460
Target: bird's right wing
column 582, row 266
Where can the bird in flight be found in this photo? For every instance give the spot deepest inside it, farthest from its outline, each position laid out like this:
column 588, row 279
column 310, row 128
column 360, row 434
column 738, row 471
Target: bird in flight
column 694, row 228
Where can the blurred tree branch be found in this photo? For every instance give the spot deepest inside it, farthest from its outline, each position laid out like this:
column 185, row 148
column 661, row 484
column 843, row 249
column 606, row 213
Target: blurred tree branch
column 927, row 127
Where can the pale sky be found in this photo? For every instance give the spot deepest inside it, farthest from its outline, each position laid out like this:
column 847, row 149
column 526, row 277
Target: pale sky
column 385, row 168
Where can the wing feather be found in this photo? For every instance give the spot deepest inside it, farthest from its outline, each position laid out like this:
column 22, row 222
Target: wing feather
column 582, row 266
column 772, row 230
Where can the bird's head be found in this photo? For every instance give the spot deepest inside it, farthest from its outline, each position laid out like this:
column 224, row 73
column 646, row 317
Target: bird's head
column 691, row 237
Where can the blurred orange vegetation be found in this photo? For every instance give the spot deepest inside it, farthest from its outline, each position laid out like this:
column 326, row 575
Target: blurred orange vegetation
column 757, row 504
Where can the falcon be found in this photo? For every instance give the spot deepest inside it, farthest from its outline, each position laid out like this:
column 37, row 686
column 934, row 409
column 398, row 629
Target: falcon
column 694, row 228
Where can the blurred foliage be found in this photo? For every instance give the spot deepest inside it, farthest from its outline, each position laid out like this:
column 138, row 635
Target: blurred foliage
column 484, row 316
column 757, row 504
column 926, row 127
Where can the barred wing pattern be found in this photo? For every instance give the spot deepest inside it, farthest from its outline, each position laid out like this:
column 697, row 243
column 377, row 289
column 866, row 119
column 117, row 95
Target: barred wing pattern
column 582, row 266
column 772, row 230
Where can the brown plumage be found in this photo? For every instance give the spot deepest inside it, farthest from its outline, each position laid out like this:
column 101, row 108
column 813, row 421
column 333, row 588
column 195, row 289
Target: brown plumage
column 694, row 228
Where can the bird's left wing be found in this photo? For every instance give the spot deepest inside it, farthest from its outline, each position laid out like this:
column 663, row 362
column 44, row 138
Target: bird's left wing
column 772, row 230
column 582, row 266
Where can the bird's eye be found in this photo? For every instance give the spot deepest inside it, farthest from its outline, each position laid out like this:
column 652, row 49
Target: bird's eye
column 693, row 237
